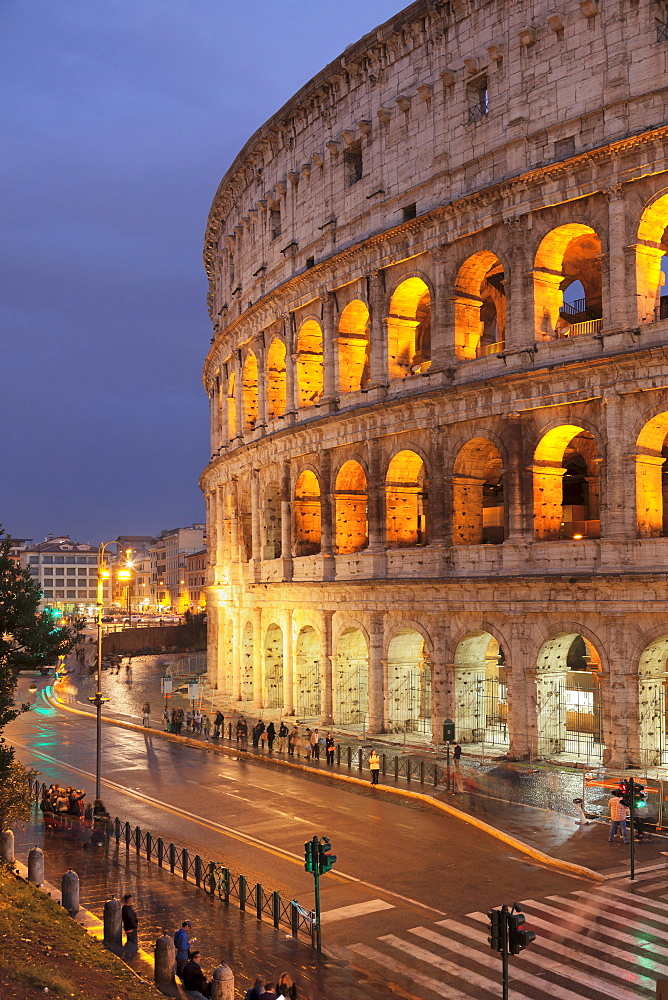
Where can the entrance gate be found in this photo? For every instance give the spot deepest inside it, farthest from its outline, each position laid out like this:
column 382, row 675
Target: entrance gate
column 411, row 698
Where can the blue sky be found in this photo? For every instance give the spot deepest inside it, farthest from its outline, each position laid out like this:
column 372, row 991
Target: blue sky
column 119, row 118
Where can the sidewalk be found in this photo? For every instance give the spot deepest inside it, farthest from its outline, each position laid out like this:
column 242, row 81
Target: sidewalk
column 163, row 901
column 552, row 833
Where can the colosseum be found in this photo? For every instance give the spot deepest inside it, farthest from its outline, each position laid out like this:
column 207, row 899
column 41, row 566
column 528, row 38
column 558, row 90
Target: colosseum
column 438, row 385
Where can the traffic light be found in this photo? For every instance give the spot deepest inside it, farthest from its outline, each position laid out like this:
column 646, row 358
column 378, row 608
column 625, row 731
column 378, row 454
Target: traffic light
column 638, row 796
column 325, row 859
column 310, row 856
column 53, row 613
column 518, row 938
column 495, row 938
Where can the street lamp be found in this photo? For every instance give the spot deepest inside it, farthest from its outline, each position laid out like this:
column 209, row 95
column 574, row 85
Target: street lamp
column 103, row 573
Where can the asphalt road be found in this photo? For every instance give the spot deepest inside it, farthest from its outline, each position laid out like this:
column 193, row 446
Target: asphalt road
column 255, row 819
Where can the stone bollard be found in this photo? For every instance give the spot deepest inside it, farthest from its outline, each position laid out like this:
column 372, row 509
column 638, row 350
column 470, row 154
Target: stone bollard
column 113, row 933
column 36, row 866
column 222, row 984
column 69, row 887
column 7, row 847
column 165, row 965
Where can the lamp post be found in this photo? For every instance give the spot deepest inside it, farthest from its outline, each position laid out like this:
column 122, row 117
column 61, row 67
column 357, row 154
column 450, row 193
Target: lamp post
column 103, row 573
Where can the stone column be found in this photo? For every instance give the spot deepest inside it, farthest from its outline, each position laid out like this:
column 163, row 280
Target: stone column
column 258, row 660
column 290, row 370
column 376, row 674
column 441, row 704
column 515, row 501
column 442, row 327
column 436, row 514
column 256, row 531
column 378, row 367
column 619, row 475
column 550, row 686
column 222, row 413
column 548, row 492
column 376, row 509
column 220, row 554
column 238, row 397
column 212, row 629
column 326, row 519
column 517, row 711
column 330, row 348
column 547, row 301
column 326, row 717
column 222, row 666
column 519, row 308
column 237, row 639
column 288, row 666
column 213, row 429
column 615, row 302
column 286, row 522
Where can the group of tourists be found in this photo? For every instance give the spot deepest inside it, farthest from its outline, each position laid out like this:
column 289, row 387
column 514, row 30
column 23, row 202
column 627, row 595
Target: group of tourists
column 64, row 808
column 310, row 743
column 63, row 801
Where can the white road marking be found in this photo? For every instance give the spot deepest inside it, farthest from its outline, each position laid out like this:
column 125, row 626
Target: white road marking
column 355, row 910
column 406, row 974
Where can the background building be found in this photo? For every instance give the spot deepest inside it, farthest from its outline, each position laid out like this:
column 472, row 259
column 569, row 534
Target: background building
column 66, row 571
column 168, row 570
column 195, row 577
column 439, row 388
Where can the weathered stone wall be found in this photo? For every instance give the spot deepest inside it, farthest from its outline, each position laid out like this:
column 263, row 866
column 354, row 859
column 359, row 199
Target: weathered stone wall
column 441, row 188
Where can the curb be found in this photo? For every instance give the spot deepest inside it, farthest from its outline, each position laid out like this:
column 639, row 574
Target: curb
column 492, row 831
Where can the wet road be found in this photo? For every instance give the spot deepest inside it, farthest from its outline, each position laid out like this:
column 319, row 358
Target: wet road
column 397, row 865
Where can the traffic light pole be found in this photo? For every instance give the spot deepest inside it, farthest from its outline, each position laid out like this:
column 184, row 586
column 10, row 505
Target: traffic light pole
column 318, row 937
column 632, row 816
column 504, row 950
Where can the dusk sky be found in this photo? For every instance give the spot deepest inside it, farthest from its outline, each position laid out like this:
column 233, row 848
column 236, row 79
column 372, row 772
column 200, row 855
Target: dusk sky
column 118, row 119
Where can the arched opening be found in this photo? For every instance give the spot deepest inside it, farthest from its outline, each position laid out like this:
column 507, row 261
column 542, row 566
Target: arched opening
column 350, row 501
column 246, row 676
column 652, row 718
column 566, row 485
column 481, row 691
column 409, row 329
column 307, row 673
column 477, row 494
column 249, row 382
column 310, row 375
column 406, row 501
column 408, row 683
column 272, row 522
column 231, row 408
column 480, row 306
column 276, row 384
column 568, row 256
column 652, row 478
column 307, row 514
column 352, row 679
column 652, row 262
column 354, row 347
column 568, row 698
column 273, row 667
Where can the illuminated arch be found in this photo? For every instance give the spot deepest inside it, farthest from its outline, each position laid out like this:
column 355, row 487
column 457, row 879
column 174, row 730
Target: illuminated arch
column 652, row 478
column 569, row 255
column 409, row 328
column 480, row 306
column 566, row 484
column 477, row 494
column 652, row 261
column 405, row 501
column 350, row 503
column 310, row 373
column 307, row 514
column 353, row 344
column 276, row 379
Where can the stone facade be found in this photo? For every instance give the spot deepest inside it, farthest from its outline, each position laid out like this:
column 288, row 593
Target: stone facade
column 438, row 385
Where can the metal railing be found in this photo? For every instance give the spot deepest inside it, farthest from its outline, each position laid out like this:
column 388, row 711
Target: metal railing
column 589, row 326
column 212, row 876
column 485, row 350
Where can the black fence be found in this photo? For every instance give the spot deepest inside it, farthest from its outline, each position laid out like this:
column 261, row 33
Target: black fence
column 212, row 876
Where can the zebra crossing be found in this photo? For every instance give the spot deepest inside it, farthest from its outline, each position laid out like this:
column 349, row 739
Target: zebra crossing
column 607, row 941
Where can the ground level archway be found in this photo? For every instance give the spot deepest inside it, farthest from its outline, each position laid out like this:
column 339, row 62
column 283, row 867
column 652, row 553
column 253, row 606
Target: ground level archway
column 352, row 679
column 408, row 683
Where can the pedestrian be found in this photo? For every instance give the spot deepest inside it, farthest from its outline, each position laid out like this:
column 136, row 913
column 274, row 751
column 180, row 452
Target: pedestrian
column 306, row 743
column 146, row 714
column 293, row 741
column 242, row 732
column 315, row 745
column 286, row 986
column 178, row 721
column 130, row 924
column 329, row 749
column 457, row 754
column 197, row 722
column 374, row 766
column 269, row 992
column 271, row 735
column 165, row 718
column 256, row 989
column 617, row 816
column 282, row 736
column 189, row 721
column 258, row 730
column 218, row 724
column 194, row 981
column 182, row 942
column 206, row 727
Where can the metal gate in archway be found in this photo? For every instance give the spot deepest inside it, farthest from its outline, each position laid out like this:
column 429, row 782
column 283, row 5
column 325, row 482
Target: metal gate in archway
column 410, row 702
column 307, row 697
column 574, row 722
column 653, row 723
column 351, row 693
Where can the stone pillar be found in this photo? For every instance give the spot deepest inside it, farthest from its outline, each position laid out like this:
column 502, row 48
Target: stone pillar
column 286, row 521
column 238, row 397
column 222, row 413
column 615, row 297
column 519, row 307
column 376, row 509
column 515, row 501
column 548, row 493
column 330, row 347
column 220, row 555
column 237, row 641
column 619, row 473
column 256, row 532
column 213, row 436
column 442, row 327
column 288, row 665
column 517, row 711
column 326, row 516
column 378, row 367
column 376, row 674
column 212, row 627
column 222, row 983
column 165, row 965
column 437, row 527
column 440, row 703
column 326, row 717
column 258, row 659
column 235, row 539
column 547, row 301
column 550, row 711
column 290, row 370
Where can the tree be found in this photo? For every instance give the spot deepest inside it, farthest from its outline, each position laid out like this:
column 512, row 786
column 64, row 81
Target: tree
column 28, row 638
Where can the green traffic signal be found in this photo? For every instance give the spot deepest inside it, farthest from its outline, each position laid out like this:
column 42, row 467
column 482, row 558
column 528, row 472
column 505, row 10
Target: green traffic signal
column 326, row 860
